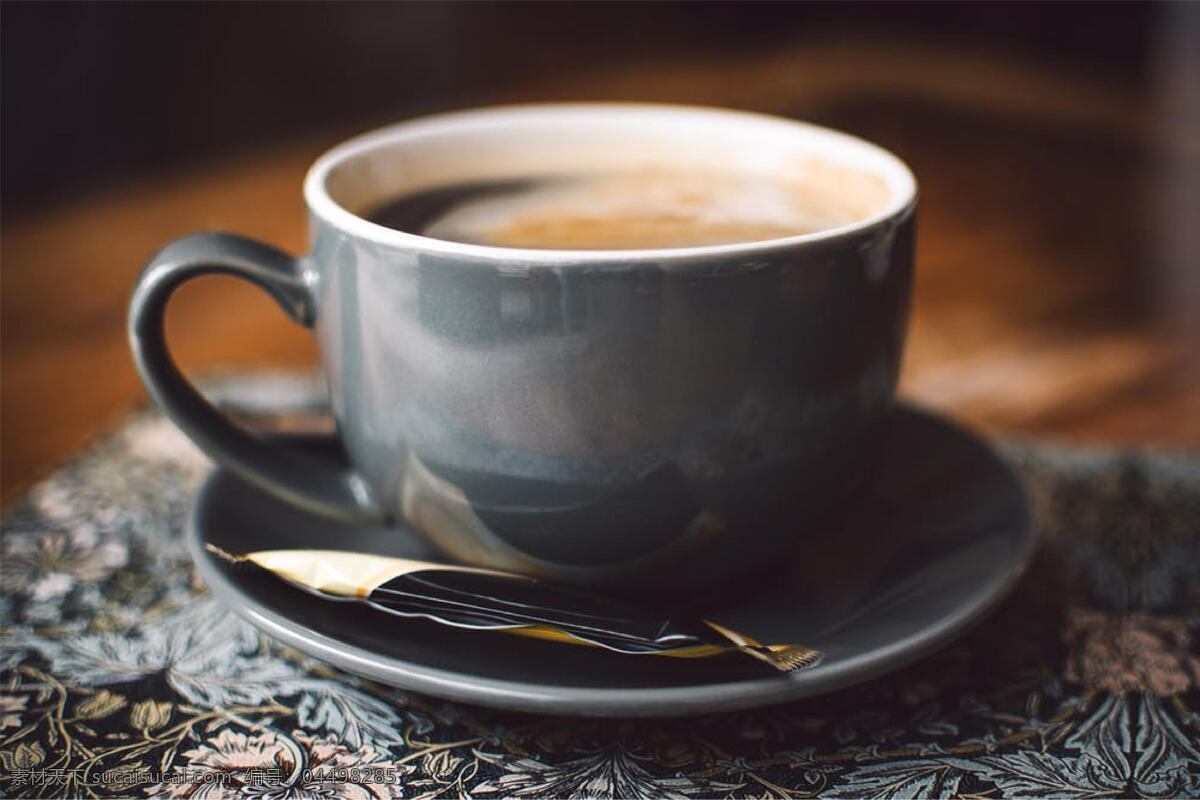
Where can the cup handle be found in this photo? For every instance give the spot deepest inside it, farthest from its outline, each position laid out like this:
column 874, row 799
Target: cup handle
column 320, row 485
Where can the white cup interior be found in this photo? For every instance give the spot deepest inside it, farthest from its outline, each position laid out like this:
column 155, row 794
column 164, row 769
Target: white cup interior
column 517, row 142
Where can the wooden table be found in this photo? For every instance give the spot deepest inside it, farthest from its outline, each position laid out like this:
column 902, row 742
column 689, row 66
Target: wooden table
column 1058, row 288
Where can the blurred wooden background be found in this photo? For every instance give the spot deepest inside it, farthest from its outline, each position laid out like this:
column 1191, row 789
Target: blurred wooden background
column 1058, row 291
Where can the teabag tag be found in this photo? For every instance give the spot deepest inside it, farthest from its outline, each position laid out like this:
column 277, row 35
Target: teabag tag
column 479, row 599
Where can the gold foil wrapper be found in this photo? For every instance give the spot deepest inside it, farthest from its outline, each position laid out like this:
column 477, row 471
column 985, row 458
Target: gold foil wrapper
column 483, row 599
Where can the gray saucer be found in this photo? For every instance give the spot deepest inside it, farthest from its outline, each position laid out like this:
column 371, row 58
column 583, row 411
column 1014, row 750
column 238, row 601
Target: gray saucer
column 931, row 543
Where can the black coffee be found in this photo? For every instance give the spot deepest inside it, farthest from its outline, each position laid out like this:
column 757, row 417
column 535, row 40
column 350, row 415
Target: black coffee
column 617, row 210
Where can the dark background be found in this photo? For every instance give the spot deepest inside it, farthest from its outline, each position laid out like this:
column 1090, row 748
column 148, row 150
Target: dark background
column 96, row 93
column 1057, row 147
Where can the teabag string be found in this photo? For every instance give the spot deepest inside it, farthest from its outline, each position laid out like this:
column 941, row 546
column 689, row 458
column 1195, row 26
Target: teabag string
column 480, row 599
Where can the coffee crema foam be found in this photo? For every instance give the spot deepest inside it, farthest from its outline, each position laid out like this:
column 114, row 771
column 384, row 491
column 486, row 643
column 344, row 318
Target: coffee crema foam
column 645, row 209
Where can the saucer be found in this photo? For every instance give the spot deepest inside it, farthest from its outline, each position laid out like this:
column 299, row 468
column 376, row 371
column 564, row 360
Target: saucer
column 929, row 544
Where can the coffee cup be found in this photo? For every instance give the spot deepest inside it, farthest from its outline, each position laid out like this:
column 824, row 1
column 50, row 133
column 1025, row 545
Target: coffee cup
column 623, row 414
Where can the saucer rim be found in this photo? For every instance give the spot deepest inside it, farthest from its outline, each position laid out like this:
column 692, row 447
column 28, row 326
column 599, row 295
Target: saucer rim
column 676, row 701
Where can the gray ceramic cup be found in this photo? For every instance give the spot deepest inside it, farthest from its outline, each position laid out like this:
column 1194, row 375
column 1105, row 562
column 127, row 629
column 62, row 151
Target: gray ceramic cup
column 659, row 420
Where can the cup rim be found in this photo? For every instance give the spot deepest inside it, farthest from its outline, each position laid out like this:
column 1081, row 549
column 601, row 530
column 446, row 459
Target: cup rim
column 901, row 183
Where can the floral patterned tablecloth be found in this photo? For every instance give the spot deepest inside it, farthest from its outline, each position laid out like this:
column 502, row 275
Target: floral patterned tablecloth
column 123, row 677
